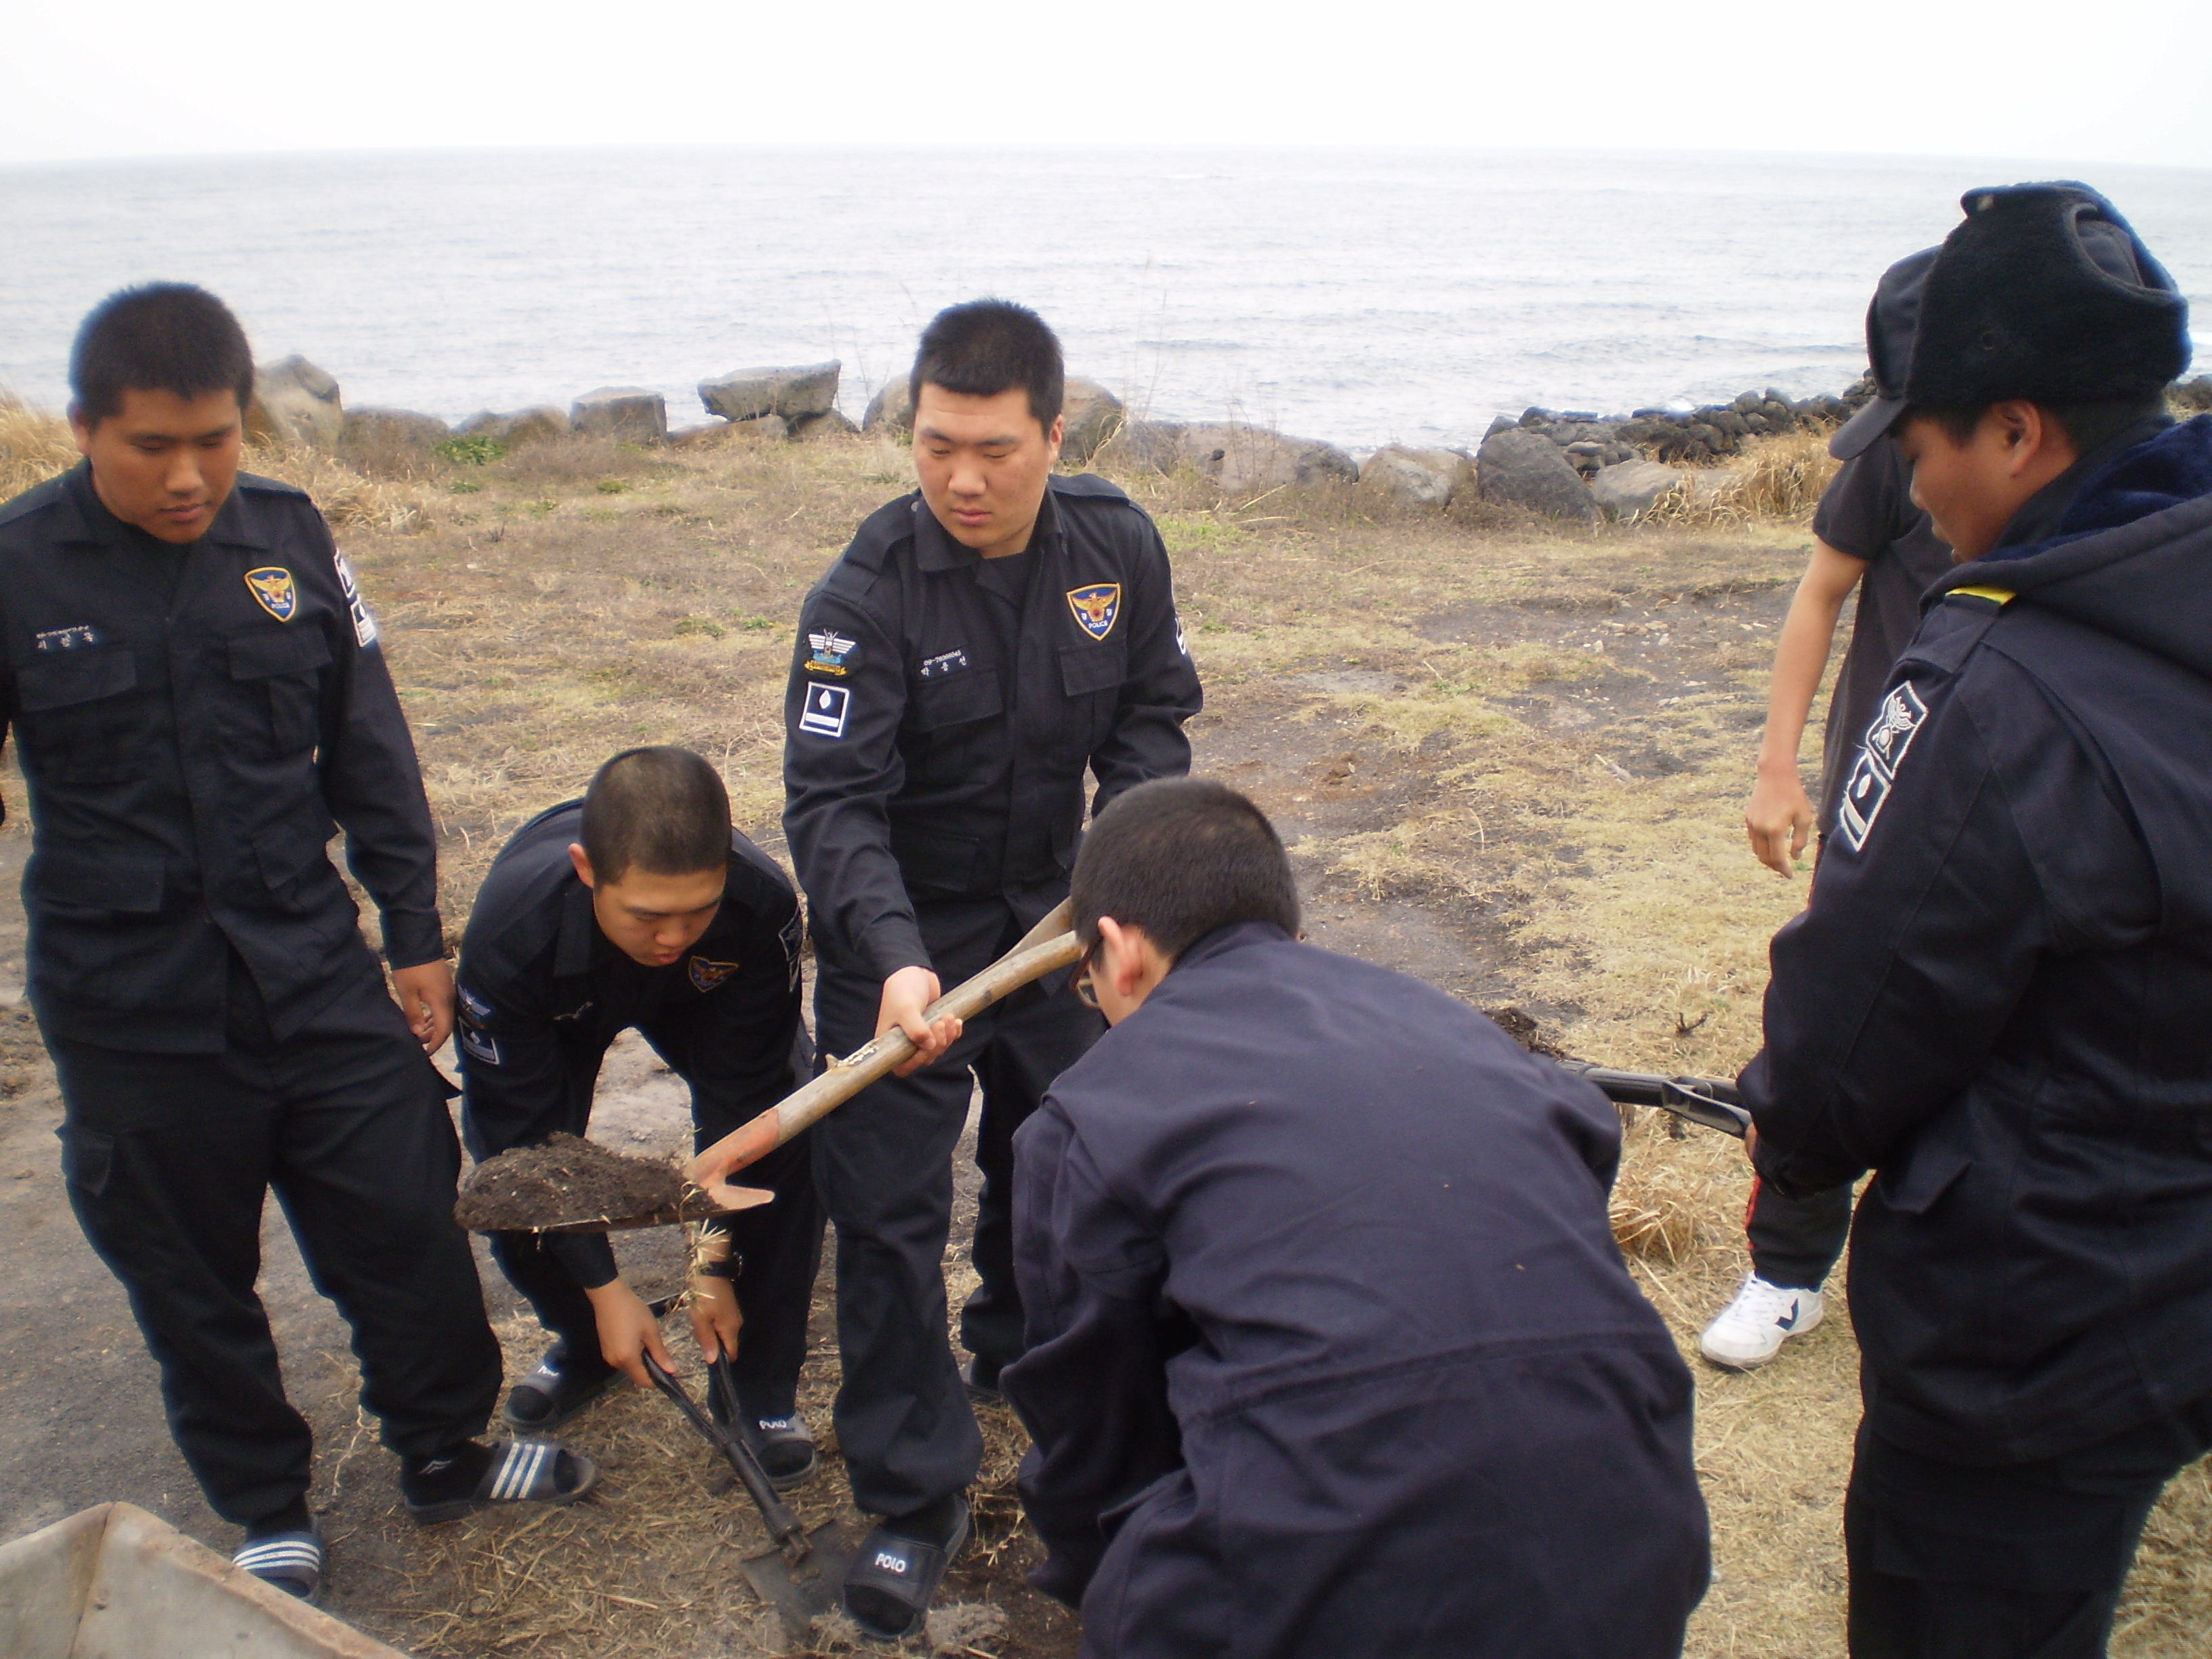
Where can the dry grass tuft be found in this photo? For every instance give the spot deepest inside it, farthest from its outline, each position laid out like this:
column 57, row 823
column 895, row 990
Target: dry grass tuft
column 349, row 499
column 1663, row 1201
column 34, row 446
column 1772, row 478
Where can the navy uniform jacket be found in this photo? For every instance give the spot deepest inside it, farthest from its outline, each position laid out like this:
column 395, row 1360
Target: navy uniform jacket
column 195, row 724
column 936, row 735
column 2000, row 999
column 1331, row 1349
column 543, row 993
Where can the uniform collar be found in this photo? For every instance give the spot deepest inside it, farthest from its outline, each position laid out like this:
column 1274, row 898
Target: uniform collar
column 1237, row 936
column 239, row 522
column 580, row 931
column 934, row 550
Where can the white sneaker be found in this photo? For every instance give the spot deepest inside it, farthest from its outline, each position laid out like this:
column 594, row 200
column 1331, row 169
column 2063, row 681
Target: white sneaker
column 1750, row 1330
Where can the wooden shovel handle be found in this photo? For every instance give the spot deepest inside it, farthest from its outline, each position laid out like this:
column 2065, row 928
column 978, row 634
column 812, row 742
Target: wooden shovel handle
column 1047, row 946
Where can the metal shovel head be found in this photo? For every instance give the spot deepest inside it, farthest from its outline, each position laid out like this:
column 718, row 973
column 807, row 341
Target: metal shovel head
column 802, row 1591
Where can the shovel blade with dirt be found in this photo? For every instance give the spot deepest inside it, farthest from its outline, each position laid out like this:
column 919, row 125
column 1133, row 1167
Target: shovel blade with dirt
column 512, row 1192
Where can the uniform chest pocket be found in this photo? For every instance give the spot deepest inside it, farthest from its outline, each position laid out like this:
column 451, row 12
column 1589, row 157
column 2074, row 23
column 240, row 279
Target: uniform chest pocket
column 76, row 714
column 1091, row 676
column 957, row 699
column 278, row 677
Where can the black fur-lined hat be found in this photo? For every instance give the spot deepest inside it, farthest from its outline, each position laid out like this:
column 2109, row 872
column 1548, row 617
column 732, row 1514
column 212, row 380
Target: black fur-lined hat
column 2045, row 293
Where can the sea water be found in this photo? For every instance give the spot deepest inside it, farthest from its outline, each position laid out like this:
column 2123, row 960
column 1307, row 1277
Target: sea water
column 1361, row 297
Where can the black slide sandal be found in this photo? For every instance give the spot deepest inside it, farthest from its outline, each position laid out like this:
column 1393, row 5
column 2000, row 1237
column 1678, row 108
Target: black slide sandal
column 899, row 1573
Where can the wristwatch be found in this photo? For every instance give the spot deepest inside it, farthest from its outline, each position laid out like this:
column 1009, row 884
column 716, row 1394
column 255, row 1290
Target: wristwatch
column 730, row 1266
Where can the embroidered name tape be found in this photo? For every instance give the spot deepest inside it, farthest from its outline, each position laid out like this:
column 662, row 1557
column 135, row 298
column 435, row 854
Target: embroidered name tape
column 944, row 663
column 65, row 639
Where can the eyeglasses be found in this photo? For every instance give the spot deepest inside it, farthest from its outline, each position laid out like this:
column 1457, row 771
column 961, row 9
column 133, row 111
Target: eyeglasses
column 1080, row 981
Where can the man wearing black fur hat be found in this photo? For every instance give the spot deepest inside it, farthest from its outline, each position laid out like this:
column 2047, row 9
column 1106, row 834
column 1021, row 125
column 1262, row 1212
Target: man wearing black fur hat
column 1996, row 999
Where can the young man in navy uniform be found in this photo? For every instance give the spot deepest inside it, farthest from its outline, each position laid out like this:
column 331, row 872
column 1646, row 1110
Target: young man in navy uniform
column 640, row 906
column 1997, row 998
column 1331, row 1348
column 979, row 645
column 1868, row 535
column 201, row 703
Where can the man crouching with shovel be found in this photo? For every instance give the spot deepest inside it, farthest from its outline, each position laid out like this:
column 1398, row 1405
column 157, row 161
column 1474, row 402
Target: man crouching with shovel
column 1330, row 1347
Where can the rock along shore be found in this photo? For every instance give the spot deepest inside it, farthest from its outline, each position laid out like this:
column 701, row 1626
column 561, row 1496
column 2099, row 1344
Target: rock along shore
column 1572, row 464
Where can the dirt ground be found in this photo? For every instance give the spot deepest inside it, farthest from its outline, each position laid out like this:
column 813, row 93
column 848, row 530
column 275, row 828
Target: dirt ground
column 1509, row 759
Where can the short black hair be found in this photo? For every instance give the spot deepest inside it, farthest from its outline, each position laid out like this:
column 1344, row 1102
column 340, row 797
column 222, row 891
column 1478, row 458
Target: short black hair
column 662, row 810
column 2087, row 426
column 985, row 347
column 158, row 337
column 1180, row 857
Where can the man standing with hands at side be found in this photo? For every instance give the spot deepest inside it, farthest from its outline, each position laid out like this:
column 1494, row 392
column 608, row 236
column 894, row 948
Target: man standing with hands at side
column 977, row 647
column 202, row 703
column 1996, row 999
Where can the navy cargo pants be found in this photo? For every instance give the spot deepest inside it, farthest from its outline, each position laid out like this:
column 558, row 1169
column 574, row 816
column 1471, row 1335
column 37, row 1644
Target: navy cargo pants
column 168, row 1159
column 883, row 1163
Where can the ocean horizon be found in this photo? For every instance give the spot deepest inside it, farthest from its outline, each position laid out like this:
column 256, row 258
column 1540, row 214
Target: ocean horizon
column 1362, row 297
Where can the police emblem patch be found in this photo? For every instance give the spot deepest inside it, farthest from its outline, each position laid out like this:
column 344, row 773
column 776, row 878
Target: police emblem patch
column 1095, row 607
column 1888, row 736
column 472, row 1005
column 831, row 651
column 705, row 975
column 825, row 710
column 272, row 585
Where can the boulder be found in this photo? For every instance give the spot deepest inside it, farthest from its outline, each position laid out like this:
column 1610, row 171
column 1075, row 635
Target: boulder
column 1090, row 415
column 391, row 428
column 891, row 408
column 826, row 424
column 746, row 394
column 1526, row 469
column 627, row 414
column 520, row 426
column 1632, row 488
column 296, row 402
column 1155, row 444
column 1246, row 460
column 1415, row 477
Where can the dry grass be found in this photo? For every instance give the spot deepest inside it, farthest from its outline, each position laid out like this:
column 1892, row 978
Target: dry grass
column 33, row 447
column 1772, row 478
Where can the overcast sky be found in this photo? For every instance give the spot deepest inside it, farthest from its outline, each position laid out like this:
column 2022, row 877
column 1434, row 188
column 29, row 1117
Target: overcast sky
column 2125, row 80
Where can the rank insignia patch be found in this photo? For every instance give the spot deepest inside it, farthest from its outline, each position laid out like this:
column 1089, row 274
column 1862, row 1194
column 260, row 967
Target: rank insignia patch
column 707, row 974
column 831, row 651
column 364, row 625
column 479, row 1046
column 272, row 585
column 1095, row 607
column 825, row 710
column 1895, row 724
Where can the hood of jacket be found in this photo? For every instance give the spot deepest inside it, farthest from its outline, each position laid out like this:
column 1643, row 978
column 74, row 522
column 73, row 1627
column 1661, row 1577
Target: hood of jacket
column 2130, row 556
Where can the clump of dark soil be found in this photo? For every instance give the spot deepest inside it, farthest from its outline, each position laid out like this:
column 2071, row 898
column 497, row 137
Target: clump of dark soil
column 1524, row 1031
column 565, row 1180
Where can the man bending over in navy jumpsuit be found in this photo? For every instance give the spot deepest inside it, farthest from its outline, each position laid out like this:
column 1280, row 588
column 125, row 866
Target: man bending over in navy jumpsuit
column 1331, row 1349
column 202, row 703
column 640, row 905
column 978, row 647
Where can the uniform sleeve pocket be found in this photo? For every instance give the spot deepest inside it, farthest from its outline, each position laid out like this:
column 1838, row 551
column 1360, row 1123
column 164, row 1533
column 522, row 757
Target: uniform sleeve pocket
column 1084, row 668
column 954, row 701
column 75, row 676
column 98, row 881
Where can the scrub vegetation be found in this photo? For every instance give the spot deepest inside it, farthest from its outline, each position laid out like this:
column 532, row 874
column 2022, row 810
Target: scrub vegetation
column 1509, row 757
